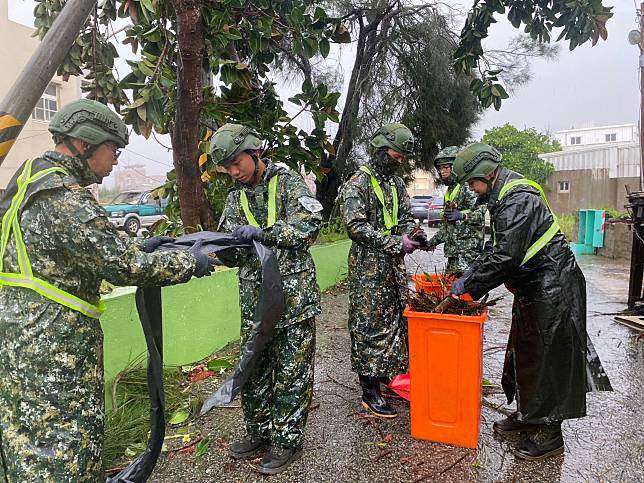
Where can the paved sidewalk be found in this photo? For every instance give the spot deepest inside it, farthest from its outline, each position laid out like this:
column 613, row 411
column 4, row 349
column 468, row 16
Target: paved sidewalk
column 345, row 444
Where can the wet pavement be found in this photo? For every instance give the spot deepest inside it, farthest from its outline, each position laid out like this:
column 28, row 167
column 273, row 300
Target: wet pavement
column 345, row 444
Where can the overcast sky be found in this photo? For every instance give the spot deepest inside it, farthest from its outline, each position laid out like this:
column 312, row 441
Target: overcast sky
column 590, row 85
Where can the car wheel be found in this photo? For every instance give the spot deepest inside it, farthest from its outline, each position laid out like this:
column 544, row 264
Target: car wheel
column 132, row 226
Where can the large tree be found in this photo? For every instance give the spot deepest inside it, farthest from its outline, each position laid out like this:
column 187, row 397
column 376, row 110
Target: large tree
column 176, row 42
column 521, row 150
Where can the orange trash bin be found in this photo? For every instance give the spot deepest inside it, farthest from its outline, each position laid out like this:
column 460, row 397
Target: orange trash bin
column 445, row 370
column 433, row 286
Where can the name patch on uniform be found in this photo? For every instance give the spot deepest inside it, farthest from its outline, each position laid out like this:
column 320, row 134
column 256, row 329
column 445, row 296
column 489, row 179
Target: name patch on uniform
column 310, row 204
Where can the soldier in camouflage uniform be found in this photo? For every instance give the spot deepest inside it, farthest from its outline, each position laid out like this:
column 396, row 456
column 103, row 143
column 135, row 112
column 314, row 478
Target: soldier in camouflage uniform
column 463, row 227
column 57, row 247
column 377, row 214
column 273, row 205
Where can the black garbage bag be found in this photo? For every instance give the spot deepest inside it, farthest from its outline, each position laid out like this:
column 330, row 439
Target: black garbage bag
column 148, row 301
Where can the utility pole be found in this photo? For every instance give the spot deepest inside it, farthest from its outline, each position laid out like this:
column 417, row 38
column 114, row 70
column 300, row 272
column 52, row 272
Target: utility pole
column 641, row 71
column 17, row 105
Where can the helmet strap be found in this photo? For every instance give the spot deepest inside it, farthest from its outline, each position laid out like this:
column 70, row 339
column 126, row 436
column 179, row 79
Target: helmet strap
column 255, row 179
column 83, row 157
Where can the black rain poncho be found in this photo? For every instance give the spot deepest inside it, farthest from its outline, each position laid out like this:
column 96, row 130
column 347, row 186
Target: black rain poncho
column 550, row 362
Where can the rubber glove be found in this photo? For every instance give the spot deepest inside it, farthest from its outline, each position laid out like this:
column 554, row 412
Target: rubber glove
column 248, row 233
column 453, row 215
column 409, row 246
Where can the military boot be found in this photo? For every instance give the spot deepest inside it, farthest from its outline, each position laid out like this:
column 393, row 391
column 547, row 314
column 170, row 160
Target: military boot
column 278, row 459
column 546, row 441
column 372, row 398
column 248, row 447
column 511, row 425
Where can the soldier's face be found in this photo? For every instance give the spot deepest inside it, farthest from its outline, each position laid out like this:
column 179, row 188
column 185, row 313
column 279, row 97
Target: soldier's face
column 242, row 168
column 445, row 171
column 479, row 186
column 104, row 159
column 398, row 158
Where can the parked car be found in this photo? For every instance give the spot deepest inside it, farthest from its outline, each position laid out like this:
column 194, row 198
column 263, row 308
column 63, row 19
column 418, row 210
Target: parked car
column 136, row 209
column 435, row 210
column 419, row 205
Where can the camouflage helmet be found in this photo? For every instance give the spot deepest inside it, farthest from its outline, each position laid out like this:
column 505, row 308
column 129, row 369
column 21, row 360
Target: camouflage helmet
column 89, row 121
column 395, row 136
column 476, row 160
column 446, row 156
column 230, row 140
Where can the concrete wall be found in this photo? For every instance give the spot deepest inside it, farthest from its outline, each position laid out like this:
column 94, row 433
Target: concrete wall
column 199, row 317
column 16, row 47
column 588, row 188
column 618, row 239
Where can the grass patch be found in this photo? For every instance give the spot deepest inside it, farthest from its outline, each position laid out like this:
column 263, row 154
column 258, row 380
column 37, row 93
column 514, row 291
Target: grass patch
column 567, row 224
column 128, row 422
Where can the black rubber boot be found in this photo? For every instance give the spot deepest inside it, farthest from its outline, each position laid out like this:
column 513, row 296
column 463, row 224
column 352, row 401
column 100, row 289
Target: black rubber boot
column 278, row 459
column 248, row 447
column 372, row 398
column 511, row 425
column 545, row 442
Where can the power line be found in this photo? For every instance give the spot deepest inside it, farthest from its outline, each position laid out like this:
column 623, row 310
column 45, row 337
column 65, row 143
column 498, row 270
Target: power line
column 127, row 150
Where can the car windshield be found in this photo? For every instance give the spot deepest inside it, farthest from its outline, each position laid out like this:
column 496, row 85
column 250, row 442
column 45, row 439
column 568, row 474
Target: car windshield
column 127, row 198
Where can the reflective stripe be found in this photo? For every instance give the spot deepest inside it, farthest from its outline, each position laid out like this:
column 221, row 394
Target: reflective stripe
column 25, row 278
column 390, row 220
column 53, row 293
column 272, row 204
column 550, row 232
column 452, row 195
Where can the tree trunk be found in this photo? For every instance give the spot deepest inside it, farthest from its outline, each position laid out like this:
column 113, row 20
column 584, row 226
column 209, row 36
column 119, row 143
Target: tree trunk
column 195, row 210
column 370, row 42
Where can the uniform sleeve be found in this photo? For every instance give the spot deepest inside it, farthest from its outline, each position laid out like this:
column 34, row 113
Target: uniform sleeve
column 94, row 242
column 438, row 238
column 354, row 212
column 516, row 222
column 303, row 217
column 231, row 219
column 406, row 222
column 475, row 213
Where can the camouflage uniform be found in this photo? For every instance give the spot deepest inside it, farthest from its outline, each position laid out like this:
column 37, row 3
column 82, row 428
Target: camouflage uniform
column 376, row 273
column 276, row 398
column 51, row 382
column 463, row 239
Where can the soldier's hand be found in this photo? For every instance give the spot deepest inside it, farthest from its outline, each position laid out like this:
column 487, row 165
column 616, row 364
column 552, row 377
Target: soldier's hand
column 248, row 233
column 409, row 246
column 205, row 265
column 155, row 242
column 458, row 286
column 453, row 215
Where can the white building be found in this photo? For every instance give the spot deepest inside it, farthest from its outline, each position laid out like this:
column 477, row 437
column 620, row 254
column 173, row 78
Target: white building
column 585, row 136
column 594, row 168
column 16, row 46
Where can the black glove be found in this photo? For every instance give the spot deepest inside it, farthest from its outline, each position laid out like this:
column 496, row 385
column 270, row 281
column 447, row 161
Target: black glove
column 458, row 287
column 452, row 215
column 153, row 243
column 419, row 236
column 248, row 233
column 204, row 264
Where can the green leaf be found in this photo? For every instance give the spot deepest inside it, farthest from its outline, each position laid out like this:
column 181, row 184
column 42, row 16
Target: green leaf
column 325, row 47
column 179, row 416
column 217, row 364
column 202, row 447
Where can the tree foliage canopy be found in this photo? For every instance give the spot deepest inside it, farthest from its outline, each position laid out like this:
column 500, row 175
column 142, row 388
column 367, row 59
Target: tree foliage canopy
column 579, row 21
column 521, row 149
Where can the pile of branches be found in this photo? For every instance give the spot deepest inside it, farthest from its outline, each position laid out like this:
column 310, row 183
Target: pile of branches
column 427, row 302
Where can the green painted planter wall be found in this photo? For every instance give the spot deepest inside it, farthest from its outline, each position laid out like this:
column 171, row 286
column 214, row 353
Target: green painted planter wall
column 199, row 317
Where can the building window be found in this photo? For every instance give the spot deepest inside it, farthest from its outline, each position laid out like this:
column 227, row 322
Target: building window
column 575, row 140
column 611, row 137
column 564, row 186
column 47, row 105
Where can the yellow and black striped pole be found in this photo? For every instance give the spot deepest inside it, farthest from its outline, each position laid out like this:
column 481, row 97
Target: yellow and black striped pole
column 17, row 105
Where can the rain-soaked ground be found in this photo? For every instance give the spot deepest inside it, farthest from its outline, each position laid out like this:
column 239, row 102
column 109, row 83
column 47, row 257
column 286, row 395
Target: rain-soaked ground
column 345, row 444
